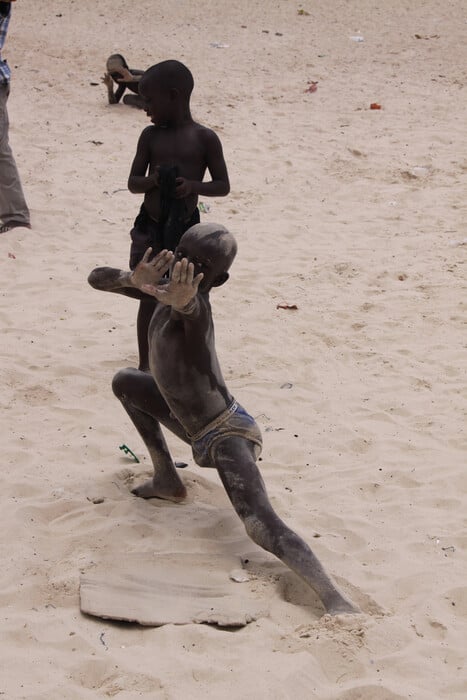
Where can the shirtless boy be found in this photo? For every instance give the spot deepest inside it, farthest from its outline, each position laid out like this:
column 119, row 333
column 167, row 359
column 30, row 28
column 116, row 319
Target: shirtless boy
column 117, row 71
column 171, row 160
column 187, row 394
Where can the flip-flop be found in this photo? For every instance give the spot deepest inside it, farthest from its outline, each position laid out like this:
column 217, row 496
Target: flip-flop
column 13, row 224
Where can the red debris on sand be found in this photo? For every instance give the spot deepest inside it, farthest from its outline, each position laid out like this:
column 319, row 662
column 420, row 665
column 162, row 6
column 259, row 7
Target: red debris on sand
column 375, row 105
column 284, row 305
column 312, row 86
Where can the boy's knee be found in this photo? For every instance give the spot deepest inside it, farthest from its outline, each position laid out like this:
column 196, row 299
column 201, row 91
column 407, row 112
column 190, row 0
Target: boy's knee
column 94, row 278
column 122, row 381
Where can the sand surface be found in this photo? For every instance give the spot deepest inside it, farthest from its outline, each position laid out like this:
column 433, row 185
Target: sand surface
column 354, row 215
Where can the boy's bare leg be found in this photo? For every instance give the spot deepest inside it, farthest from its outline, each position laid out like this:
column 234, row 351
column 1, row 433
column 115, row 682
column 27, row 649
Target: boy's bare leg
column 145, row 312
column 134, row 101
column 245, row 487
column 141, row 399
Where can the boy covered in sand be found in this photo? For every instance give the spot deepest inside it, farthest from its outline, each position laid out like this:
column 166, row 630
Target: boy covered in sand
column 187, row 394
column 171, row 159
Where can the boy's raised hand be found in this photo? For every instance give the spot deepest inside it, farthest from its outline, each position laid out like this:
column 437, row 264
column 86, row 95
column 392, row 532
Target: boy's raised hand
column 126, row 76
column 107, row 80
column 181, row 289
column 151, row 272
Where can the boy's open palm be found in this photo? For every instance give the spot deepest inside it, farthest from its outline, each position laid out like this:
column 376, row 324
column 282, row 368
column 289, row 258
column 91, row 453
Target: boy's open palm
column 181, row 289
column 151, row 273
column 107, row 80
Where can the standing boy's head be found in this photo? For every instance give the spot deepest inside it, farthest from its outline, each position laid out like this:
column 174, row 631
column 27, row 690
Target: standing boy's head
column 166, row 89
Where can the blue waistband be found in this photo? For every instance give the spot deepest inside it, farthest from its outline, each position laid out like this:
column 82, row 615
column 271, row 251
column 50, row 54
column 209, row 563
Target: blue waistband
column 215, row 423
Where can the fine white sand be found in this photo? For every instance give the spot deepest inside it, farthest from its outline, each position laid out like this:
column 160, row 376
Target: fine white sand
column 353, row 215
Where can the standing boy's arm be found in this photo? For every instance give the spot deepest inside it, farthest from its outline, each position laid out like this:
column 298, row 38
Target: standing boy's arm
column 138, row 181
column 219, row 185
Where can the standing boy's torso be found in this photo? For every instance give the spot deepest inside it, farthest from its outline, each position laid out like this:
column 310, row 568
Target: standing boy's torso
column 183, row 147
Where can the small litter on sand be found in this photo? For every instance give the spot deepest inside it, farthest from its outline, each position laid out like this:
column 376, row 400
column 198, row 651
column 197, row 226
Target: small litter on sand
column 285, row 305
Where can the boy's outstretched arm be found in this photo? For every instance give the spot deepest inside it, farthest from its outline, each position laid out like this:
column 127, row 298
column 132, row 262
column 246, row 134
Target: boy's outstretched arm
column 219, row 185
column 129, row 75
column 130, row 283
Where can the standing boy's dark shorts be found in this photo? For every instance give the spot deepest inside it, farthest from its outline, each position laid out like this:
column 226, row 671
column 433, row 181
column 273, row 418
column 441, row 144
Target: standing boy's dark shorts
column 148, row 232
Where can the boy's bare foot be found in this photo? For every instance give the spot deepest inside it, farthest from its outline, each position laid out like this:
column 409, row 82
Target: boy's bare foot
column 339, row 605
column 152, row 489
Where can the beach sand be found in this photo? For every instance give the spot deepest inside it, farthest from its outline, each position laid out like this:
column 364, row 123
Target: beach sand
column 356, row 216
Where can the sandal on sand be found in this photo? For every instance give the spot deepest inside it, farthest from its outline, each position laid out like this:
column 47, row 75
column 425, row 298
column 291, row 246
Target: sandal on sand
column 13, row 224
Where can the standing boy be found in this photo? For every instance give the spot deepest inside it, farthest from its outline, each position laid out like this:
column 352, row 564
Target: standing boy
column 171, row 160
column 13, row 208
column 187, row 394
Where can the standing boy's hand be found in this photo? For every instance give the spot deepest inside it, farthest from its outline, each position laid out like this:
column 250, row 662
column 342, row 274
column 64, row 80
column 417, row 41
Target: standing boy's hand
column 182, row 288
column 151, row 273
column 183, row 188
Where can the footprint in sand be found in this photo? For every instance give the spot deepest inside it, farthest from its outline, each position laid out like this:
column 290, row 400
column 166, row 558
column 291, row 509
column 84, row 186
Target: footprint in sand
column 370, row 692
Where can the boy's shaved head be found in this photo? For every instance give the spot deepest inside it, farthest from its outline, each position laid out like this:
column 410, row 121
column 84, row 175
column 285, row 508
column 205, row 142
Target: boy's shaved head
column 168, row 75
column 115, row 61
column 217, row 237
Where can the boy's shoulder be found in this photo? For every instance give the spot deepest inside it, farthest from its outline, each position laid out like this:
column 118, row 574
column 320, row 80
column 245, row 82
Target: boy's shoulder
column 205, row 134
column 150, row 129
column 199, row 132
column 148, row 133
column 203, row 129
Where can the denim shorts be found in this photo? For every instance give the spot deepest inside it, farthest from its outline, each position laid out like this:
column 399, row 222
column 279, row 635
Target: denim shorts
column 234, row 422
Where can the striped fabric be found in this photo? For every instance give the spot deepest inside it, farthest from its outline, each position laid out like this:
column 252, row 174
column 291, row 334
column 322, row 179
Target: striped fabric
column 5, row 12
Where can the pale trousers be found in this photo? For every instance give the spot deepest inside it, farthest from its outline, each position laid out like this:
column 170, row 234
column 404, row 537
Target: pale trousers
column 13, row 207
